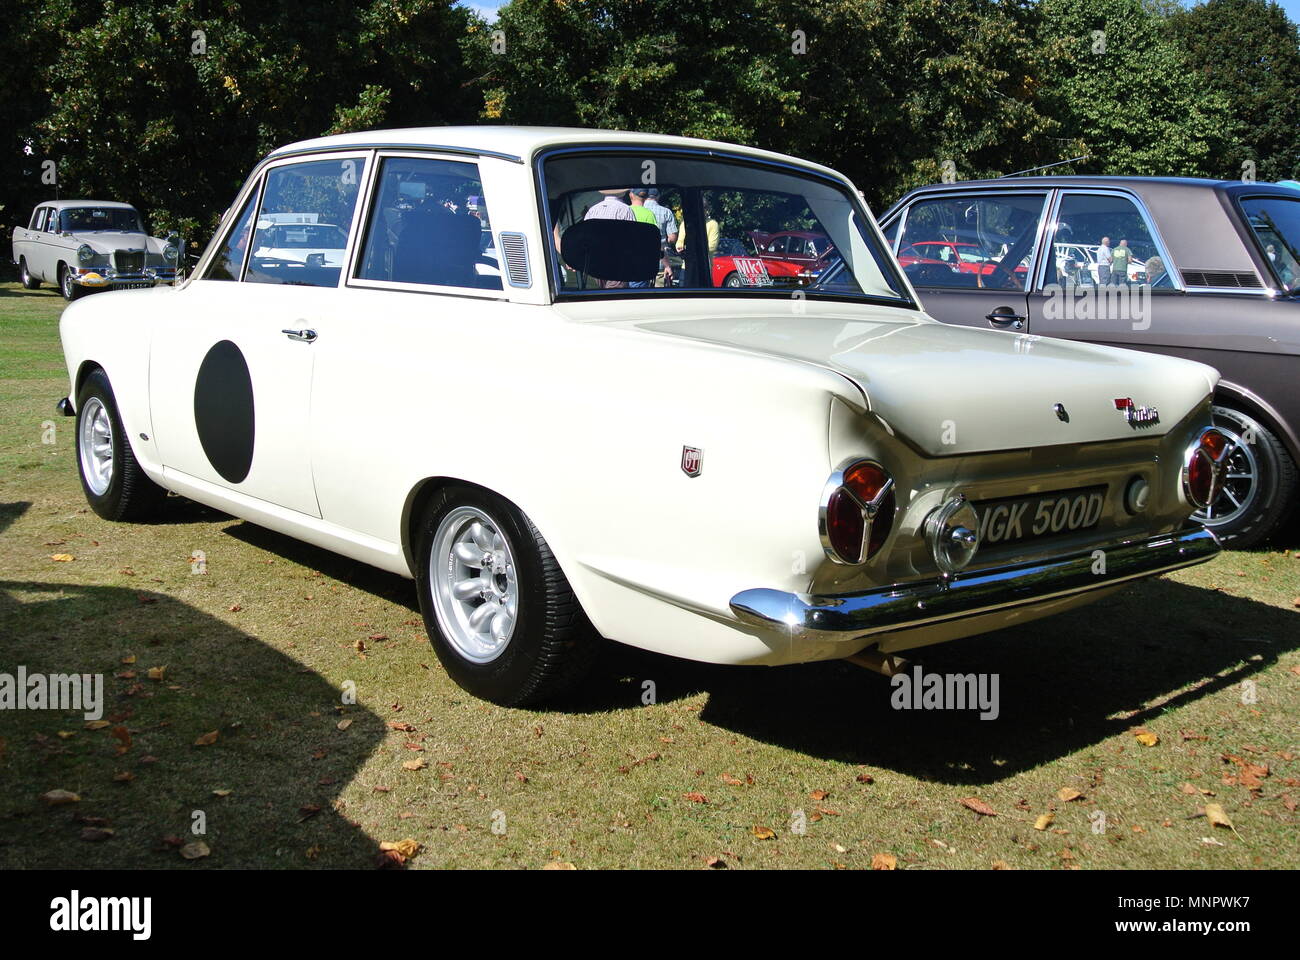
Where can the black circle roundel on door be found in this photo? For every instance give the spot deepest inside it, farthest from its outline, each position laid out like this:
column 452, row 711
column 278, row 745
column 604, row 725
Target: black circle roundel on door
column 223, row 411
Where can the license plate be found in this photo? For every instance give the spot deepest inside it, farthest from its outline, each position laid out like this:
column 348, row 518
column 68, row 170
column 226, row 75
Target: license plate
column 1011, row 519
column 133, row 285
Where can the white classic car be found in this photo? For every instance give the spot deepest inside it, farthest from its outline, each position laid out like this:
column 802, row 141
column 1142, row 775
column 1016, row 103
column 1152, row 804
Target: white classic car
column 561, row 451
column 81, row 245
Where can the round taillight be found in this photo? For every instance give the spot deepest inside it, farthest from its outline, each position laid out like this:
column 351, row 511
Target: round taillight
column 1203, row 471
column 857, row 512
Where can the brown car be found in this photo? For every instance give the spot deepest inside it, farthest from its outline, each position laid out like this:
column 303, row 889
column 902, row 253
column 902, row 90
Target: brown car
column 1203, row 269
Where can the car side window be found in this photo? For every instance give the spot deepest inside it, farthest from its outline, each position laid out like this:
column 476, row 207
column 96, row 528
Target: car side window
column 1105, row 240
column 228, row 263
column 300, row 236
column 429, row 224
column 38, row 219
column 971, row 241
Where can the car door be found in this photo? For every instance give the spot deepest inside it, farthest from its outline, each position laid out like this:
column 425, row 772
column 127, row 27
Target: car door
column 40, row 250
column 417, row 318
column 1126, row 311
column 1005, row 226
column 231, row 369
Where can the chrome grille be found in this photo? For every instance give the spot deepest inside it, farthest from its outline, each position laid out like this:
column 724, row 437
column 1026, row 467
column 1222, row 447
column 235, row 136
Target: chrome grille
column 128, row 261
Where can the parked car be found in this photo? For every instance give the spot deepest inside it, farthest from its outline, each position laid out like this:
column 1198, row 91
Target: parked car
column 81, row 245
column 1223, row 291
column 555, row 455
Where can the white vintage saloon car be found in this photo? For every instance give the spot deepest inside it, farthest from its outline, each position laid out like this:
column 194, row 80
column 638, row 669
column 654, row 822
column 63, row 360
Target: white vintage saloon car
column 569, row 445
column 84, row 245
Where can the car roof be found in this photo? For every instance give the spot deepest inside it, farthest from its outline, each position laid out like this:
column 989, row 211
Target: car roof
column 521, row 144
column 65, row 204
column 1140, row 185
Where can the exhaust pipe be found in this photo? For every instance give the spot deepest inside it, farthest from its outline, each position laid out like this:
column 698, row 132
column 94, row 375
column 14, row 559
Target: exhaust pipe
column 884, row 664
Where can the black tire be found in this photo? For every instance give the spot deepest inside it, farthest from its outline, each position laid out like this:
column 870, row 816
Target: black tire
column 552, row 645
column 130, row 494
column 732, row 280
column 24, row 276
column 71, row 291
column 1273, row 497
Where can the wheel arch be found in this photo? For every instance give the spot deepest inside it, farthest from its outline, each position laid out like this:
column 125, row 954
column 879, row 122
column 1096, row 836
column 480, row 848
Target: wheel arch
column 424, row 491
column 1234, row 395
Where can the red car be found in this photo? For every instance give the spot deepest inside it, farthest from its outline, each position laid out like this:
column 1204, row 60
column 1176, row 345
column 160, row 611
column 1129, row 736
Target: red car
column 786, row 258
column 956, row 255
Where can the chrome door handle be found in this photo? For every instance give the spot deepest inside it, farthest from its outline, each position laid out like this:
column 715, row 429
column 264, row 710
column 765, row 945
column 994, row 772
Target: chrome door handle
column 1013, row 320
column 305, row 335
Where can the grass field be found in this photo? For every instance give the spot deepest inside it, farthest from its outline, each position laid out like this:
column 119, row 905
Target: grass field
column 258, row 648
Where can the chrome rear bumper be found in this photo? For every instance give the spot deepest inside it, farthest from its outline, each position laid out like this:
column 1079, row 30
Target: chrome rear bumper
column 904, row 606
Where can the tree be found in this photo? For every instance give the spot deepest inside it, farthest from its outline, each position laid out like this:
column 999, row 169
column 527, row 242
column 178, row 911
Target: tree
column 1125, row 94
column 170, row 104
column 884, row 90
column 1248, row 52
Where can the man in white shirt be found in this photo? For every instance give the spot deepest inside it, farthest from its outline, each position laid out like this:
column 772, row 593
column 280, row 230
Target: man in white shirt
column 1104, row 260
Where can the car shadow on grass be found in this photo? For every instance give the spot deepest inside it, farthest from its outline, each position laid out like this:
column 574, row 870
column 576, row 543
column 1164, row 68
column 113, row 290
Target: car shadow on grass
column 1064, row 683
column 264, row 790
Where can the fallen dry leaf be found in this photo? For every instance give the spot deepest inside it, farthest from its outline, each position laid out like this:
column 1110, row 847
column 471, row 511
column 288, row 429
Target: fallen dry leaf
column 1045, row 821
column 97, row 724
column 344, row 723
column 57, row 798
column 156, row 673
column 884, row 861
column 123, row 738
column 696, row 797
column 207, row 740
column 407, row 848
column 1001, row 865
column 1214, row 813
column 195, row 850
column 63, row 558
column 124, row 776
column 558, row 865
column 763, row 833
column 1146, row 738
column 96, row 834
column 1066, row 795
column 819, row 795
column 222, row 793
column 978, row 805
column 865, row 778
column 401, row 726
column 414, row 764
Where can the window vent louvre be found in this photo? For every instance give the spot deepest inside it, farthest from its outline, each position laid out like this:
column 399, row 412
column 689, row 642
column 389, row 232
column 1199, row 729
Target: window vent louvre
column 1221, row 278
column 514, row 253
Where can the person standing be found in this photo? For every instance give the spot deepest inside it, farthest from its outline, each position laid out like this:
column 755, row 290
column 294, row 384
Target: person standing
column 1104, row 258
column 639, row 196
column 667, row 235
column 1119, row 261
column 611, row 208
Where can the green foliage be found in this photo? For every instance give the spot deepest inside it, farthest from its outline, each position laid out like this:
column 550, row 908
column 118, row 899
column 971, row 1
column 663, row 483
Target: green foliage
column 1124, row 93
column 1248, row 51
column 170, row 104
column 134, row 104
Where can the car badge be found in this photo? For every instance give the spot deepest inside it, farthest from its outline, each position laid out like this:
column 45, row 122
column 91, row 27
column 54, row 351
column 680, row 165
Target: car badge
column 1061, row 413
column 1134, row 414
column 692, row 461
